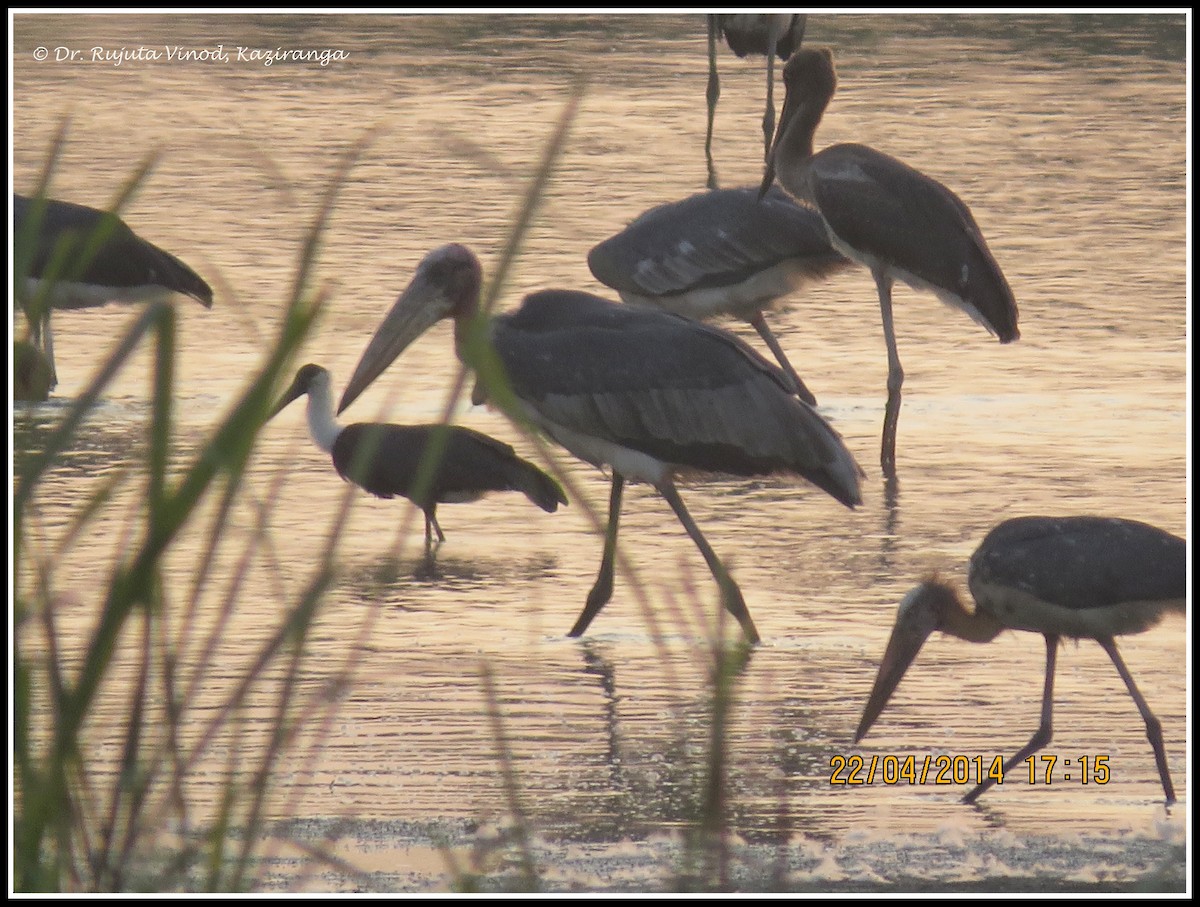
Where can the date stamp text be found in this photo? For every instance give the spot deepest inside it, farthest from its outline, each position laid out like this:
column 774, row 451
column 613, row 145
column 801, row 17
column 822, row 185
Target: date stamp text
column 945, row 768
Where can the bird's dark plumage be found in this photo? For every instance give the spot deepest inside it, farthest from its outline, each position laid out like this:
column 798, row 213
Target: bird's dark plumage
column 722, row 252
column 69, row 256
column 748, row 34
column 1084, row 562
column 716, row 240
column 884, row 209
column 471, row 464
column 564, row 350
column 98, row 249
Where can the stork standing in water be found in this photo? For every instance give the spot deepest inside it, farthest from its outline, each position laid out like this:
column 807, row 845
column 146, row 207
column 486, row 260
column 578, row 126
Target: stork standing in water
column 771, row 35
column 646, row 393
column 883, row 214
column 386, row 459
column 80, row 257
column 1084, row 577
column 722, row 252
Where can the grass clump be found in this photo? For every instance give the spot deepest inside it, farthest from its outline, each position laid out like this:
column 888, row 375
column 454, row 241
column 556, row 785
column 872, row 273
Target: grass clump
column 84, row 820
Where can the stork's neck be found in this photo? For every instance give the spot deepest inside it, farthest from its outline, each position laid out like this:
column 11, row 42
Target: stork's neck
column 462, row 334
column 322, row 423
column 464, row 290
column 795, row 149
column 469, row 331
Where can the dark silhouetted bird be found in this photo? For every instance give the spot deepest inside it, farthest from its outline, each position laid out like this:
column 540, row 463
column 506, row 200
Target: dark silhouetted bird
column 386, row 459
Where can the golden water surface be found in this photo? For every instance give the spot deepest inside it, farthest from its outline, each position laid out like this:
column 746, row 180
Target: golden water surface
column 1065, row 135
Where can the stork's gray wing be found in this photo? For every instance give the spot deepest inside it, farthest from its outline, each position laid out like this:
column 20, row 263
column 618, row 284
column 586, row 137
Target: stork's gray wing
column 880, row 206
column 685, row 393
column 714, row 239
column 1083, row 562
column 102, row 249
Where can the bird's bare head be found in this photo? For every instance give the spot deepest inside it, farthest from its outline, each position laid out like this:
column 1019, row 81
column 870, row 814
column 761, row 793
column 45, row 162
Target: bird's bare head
column 306, row 379
column 926, row 608
column 810, row 72
column 446, row 285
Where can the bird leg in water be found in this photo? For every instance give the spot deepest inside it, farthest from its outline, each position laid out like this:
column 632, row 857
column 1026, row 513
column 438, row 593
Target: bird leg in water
column 774, row 33
column 1153, row 725
column 45, row 339
column 602, row 590
column 798, row 388
column 713, row 94
column 731, row 595
column 891, row 415
column 431, row 526
column 1045, row 731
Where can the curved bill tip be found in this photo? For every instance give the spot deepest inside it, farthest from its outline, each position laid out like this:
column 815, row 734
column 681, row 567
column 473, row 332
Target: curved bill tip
column 359, row 382
column 375, row 358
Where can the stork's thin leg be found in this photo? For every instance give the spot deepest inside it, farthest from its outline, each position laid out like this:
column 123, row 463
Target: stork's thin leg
column 801, row 24
column 713, row 94
column 602, row 590
column 1153, row 725
column 798, row 388
column 48, row 349
column 731, row 595
column 36, row 332
column 1045, row 730
column 775, row 25
column 891, row 414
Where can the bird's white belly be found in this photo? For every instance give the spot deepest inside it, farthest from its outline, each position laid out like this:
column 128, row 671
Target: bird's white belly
column 877, row 265
column 1022, row 611
column 741, row 300
column 632, row 464
column 69, row 294
column 460, row 497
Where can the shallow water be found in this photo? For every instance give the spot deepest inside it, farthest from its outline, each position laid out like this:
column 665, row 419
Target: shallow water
column 1065, row 135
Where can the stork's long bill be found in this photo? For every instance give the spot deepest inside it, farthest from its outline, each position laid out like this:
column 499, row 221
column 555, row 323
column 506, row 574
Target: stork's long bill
column 785, row 114
column 916, row 618
column 424, row 302
column 297, row 389
column 804, row 88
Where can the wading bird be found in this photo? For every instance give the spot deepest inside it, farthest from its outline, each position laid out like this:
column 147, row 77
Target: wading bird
column 883, row 214
column 722, row 252
column 644, row 392
column 76, row 257
column 1083, row 577
column 386, row 460
column 31, row 380
column 771, row 35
